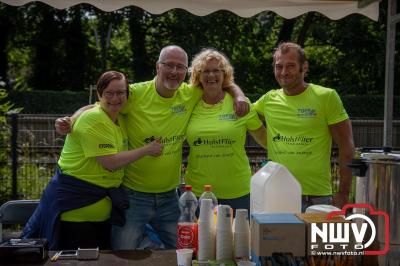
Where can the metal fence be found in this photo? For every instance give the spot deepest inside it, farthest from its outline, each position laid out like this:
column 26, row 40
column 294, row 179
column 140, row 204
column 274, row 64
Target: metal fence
column 33, row 151
column 34, row 147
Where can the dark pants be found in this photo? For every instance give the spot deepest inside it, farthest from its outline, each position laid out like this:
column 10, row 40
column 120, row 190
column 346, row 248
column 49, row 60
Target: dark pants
column 85, row 235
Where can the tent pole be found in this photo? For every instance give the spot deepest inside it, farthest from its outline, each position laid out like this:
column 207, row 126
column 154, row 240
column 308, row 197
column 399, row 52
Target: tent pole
column 389, row 74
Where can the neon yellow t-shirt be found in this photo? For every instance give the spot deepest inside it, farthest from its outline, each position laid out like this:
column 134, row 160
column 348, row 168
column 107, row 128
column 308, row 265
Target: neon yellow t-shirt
column 93, row 134
column 217, row 155
column 298, row 135
column 150, row 116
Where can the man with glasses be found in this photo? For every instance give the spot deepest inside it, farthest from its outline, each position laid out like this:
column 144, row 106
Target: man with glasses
column 159, row 109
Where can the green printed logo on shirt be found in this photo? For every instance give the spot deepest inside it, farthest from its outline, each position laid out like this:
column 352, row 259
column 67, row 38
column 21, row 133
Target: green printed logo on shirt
column 214, row 142
column 306, row 112
column 178, row 109
column 227, row 117
column 149, row 139
column 165, row 140
column 172, row 139
column 292, row 140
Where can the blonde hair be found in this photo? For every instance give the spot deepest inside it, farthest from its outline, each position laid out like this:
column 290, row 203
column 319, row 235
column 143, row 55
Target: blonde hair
column 200, row 60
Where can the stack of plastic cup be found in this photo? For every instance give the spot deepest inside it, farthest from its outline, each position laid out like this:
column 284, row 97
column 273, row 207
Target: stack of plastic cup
column 224, row 233
column 206, row 231
column 241, row 234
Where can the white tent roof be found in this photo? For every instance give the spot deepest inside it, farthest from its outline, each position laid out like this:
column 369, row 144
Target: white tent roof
column 243, row 8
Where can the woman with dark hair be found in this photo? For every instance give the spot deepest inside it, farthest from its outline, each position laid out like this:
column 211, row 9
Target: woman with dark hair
column 83, row 199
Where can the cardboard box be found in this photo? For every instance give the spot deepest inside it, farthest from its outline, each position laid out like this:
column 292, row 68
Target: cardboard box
column 319, row 245
column 281, row 233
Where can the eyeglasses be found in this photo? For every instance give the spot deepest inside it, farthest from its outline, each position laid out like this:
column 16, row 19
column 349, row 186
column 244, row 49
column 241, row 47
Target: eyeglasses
column 179, row 67
column 213, row 71
column 110, row 94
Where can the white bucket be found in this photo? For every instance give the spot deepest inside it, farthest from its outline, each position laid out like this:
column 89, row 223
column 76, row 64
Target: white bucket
column 274, row 190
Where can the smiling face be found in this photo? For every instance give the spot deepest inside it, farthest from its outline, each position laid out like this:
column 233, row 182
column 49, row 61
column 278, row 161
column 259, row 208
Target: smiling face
column 289, row 73
column 171, row 70
column 211, row 69
column 211, row 76
column 113, row 97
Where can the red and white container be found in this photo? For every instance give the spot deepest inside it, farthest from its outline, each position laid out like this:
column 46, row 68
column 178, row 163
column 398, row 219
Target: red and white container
column 187, row 232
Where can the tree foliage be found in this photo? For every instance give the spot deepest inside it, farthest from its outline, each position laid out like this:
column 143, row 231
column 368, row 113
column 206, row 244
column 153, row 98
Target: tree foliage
column 6, row 107
column 42, row 48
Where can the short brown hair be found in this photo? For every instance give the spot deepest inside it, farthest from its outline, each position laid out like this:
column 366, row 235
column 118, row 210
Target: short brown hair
column 106, row 78
column 285, row 47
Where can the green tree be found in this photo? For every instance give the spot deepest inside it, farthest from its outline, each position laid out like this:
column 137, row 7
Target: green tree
column 68, row 49
column 76, row 54
column 5, row 171
column 46, row 39
column 5, row 26
column 142, row 68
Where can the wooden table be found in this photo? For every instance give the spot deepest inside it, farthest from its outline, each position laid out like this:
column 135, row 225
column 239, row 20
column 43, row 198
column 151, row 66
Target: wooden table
column 117, row 258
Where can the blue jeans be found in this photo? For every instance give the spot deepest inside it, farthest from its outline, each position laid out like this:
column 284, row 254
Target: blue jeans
column 307, row 201
column 160, row 210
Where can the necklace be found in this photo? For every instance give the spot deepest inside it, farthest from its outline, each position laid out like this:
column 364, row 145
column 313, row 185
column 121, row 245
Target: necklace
column 210, row 105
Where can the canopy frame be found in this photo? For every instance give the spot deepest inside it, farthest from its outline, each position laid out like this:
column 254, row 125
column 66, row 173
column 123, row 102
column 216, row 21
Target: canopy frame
column 392, row 20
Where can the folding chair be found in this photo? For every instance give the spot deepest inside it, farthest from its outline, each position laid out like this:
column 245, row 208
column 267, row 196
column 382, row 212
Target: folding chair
column 16, row 212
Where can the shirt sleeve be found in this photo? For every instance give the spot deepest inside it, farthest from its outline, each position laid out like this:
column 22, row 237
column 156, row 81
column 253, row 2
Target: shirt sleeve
column 259, row 105
column 253, row 121
column 335, row 111
column 97, row 139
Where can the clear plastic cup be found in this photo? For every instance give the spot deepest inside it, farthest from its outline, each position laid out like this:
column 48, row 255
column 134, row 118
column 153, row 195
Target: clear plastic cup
column 184, row 256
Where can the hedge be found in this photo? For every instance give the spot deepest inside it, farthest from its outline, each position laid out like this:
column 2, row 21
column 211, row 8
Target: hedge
column 49, row 102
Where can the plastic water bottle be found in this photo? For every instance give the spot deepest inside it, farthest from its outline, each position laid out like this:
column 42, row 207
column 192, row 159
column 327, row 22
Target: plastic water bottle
column 274, row 189
column 187, row 223
column 208, row 194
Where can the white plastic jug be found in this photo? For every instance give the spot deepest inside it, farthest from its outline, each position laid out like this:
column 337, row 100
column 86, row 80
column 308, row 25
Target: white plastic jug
column 274, row 190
